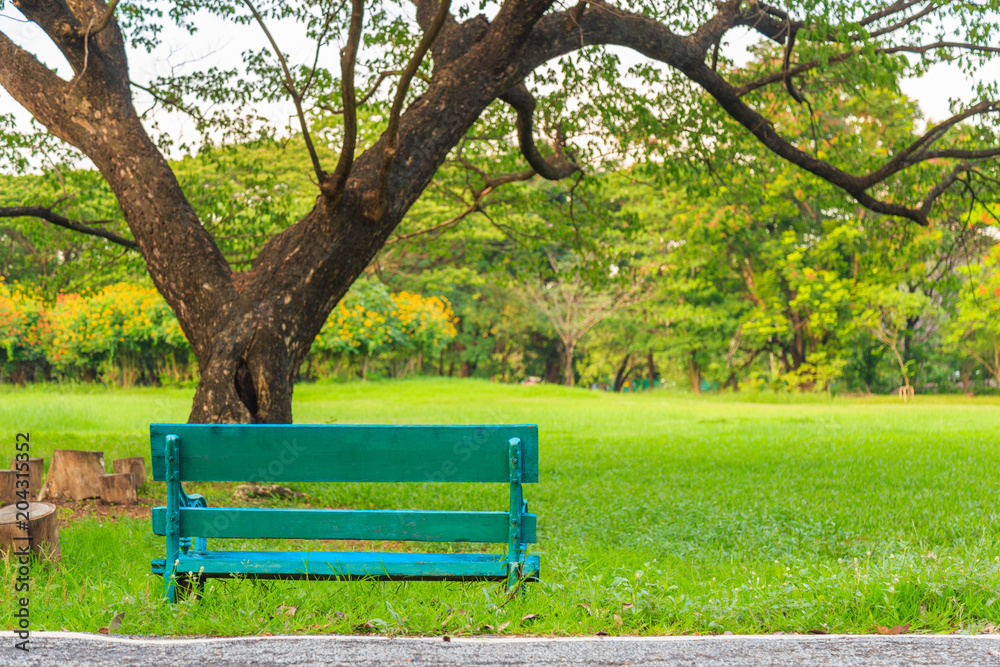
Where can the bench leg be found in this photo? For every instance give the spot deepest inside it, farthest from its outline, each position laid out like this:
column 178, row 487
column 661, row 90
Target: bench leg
column 189, row 585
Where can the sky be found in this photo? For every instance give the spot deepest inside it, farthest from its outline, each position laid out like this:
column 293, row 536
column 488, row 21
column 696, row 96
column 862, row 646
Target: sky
column 220, row 43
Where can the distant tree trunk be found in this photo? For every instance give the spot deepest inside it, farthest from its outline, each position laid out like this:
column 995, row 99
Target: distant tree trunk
column 569, row 379
column 694, row 372
column 621, row 374
column 466, row 370
column 650, row 370
column 553, row 366
column 966, row 376
column 733, row 382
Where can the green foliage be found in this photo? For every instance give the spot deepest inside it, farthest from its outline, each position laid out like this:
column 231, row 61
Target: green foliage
column 975, row 329
column 370, row 321
column 122, row 332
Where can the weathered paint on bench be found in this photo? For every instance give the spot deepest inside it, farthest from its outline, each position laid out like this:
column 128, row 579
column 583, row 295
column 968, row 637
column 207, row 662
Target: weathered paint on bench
column 194, row 452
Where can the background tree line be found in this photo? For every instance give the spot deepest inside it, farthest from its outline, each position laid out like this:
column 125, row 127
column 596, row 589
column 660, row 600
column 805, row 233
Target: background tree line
column 719, row 267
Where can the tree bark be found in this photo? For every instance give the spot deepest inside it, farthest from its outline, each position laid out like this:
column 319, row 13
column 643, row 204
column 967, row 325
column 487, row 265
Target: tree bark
column 694, row 372
column 42, row 533
column 135, row 465
column 650, row 370
column 118, row 489
column 36, row 466
column 8, row 486
column 620, row 376
column 966, row 376
column 569, row 378
column 74, row 474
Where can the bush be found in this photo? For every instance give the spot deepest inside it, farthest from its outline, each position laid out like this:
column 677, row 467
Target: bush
column 395, row 331
column 122, row 334
column 23, row 330
column 126, row 334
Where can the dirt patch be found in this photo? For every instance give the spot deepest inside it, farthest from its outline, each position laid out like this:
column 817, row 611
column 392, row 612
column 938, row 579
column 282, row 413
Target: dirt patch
column 74, row 510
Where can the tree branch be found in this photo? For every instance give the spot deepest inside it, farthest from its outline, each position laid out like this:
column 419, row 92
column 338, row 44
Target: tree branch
column 28, row 81
column 645, row 35
column 781, row 74
column 51, row 216
column 523, row 102
column 334, row 186
column 392, row 129
column 371, row 91
column 296, row 96
column 107, row 18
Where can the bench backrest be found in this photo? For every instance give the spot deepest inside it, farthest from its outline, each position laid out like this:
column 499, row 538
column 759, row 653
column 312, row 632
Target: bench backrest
column 306, row 453
column 335, row 453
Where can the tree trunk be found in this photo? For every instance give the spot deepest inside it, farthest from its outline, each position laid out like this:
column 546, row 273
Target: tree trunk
column 966, row 376
column 650, row 370
column 36, row 465
column 135, row 465
column 42, row 534
column 8, row 486
column 694, row 372
column 621, row 375
column 569, row 379
column 118, row 489
column 74, row 474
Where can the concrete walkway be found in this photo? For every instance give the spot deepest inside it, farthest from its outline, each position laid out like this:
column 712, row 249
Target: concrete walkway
column 65, row 648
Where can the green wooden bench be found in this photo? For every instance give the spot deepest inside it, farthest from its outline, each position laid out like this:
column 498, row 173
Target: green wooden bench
column 306, row 453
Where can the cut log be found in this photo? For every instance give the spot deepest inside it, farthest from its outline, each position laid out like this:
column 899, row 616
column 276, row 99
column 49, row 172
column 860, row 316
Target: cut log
column 135, row 465
column 118, row 489
column 8, row 486
column 36, row 464
column 74, row 474
column 42, row 534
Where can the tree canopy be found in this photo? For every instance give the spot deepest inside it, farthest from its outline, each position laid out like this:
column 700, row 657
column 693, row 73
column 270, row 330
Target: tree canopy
column 393, row 97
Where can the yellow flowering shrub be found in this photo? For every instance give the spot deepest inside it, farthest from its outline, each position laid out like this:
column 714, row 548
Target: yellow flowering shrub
column 22, row 326
column 370, row 321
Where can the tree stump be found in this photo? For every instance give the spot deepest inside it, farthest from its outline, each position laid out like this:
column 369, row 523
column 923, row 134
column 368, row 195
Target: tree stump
column 135, row 465
column 118, row 489
column 42, row 533
column 74, row 474
column 36, row 464
column 8, row 486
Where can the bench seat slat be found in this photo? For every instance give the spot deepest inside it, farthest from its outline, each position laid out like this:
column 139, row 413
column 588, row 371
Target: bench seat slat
column 320, row 524
column 336, row 453
column 348, row 565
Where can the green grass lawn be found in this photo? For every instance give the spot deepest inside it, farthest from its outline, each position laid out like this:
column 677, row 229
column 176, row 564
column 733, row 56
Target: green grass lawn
column 658, row 513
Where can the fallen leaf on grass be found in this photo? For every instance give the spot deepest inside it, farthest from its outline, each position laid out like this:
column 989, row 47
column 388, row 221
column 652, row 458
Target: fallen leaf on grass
column 817, row 631
column 503, row 626
column 894, row 630
column 602, row 633
column 529, row 617
column 265, row 634
column 627, row 606
column 116, row 622
column 286, row 611
column 103, row 631
column 618, row 620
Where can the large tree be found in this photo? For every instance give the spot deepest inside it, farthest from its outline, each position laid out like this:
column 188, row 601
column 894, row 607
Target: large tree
column 250, row 329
